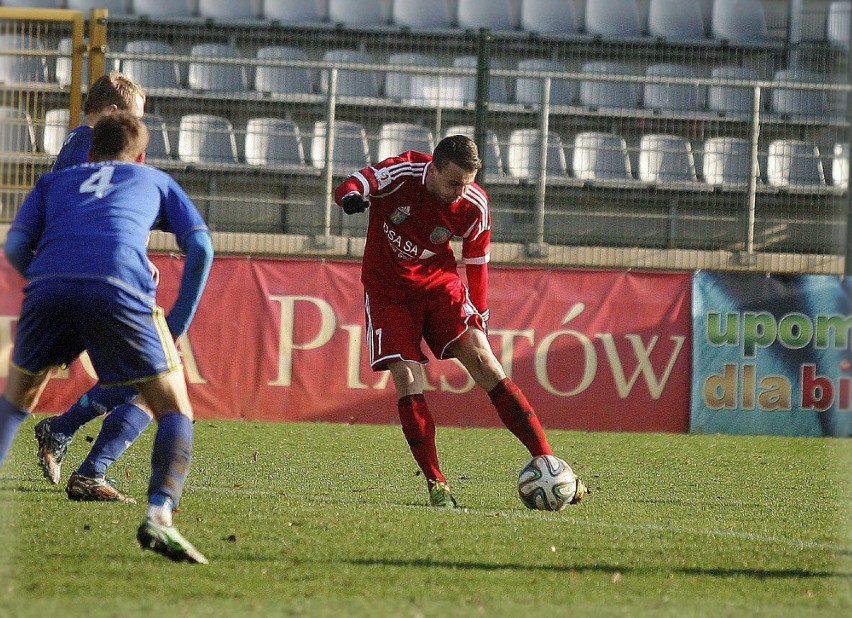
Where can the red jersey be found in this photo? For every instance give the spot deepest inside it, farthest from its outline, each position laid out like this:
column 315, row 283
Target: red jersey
column 408, row 234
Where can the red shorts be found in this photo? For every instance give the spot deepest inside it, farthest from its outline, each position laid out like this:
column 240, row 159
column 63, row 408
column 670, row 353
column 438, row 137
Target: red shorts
column 438, row 316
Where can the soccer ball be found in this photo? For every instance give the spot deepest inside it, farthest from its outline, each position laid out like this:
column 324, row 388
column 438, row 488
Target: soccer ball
column 548, row 483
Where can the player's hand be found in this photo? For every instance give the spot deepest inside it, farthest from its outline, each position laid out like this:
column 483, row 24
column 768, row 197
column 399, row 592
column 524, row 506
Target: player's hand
column 354, row 203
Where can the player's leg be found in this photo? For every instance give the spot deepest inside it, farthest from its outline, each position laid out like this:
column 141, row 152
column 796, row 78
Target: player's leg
column 170, row 460
column 394, row 333
column 121, row 427
column 474, row 352
column 128, row 342
column 418, row 427
column 55, row 433
column 454, row 330
column 20, row 396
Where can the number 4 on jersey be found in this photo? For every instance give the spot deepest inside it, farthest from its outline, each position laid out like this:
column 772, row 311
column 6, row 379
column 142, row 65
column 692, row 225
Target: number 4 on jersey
column 99, row 183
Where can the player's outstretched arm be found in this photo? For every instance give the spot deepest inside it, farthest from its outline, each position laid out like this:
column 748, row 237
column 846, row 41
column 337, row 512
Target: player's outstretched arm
column 199, row 259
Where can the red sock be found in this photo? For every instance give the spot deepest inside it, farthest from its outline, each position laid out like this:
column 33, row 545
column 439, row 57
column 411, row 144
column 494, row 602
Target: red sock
column 519, row 417
column 418, row 426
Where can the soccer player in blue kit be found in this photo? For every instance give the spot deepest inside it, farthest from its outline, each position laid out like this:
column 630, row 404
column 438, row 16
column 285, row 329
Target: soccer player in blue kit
column 128, row 414
column 80, row 240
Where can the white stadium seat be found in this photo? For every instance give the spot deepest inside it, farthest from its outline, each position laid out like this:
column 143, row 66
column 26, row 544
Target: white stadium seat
column 524, row 151
column 151, row 73
column 793, row 163
column 350, row 149
column 420, row 14
column 351, row 82
column 210, row 75
column 282, row 79
column 600, row 156
column 397, row 137
column 666, row 159
column 273, row 142
column 548, row 16
column 205, row 138
column 738, row 21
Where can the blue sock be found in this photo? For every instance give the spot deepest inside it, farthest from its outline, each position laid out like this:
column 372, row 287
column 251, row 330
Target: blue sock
column 11, row 418
column 170, row 458
column 121, row 428
column 97, row 401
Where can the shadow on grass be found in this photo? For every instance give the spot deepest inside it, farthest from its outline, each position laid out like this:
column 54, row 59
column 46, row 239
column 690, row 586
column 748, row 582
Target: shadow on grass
column 604, row 568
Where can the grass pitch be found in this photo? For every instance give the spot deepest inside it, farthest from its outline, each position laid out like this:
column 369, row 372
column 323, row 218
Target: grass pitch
column 312, row 519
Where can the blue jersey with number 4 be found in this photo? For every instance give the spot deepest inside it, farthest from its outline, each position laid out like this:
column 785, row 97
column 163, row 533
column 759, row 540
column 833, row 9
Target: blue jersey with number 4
column 92, row 221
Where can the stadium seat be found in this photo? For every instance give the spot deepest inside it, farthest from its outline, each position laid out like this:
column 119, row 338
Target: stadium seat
column 292, row 11
column 420, row 14
column 528, row 89
column 548, row 17
column 204, row 138
column 837, row 23
column 55, row 130
column 676, row 20
column 665, row 159
column 357, row 12
column 36, row 4
column 726, row 161
column 600, row 156
column 738, row 21
column 608, row 94
column 210, row 76
column 795, row 103
column 524, row 151
column 397, row 137
column 350, row 148
column 273, row 142
column 226, row 10
column 613, row 19
column 490, row 152
column 63, row 63
column 17, row 135
column 115, row 7
column 671, row 97
column 159, row 145
column 793, row 163
column 498, row 90
column 157, row 9
column 840, row 166
column 351, row 82
column 151, row 73
column 731, row 100
column 476, row 14
column 398, row 85
column 282, row 79
column 21, row 69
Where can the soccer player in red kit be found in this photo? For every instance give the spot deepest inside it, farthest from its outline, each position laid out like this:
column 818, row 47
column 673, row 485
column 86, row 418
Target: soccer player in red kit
column 412, row 290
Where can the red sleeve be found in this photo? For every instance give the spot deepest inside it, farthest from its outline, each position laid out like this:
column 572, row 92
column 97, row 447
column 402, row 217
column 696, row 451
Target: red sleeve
column 348, row 186
column 477, row 284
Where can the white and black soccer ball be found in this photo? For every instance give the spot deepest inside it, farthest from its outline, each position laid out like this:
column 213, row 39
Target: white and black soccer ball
column 547, row 483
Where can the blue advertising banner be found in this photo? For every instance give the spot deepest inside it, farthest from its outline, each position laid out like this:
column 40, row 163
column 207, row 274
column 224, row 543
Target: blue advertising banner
column 772, row 354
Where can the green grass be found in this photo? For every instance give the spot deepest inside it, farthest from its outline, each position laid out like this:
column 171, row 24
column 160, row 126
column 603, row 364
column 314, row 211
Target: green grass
column 318, row 519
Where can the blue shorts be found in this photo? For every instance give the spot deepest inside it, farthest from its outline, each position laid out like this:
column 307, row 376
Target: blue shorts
column 125, row 334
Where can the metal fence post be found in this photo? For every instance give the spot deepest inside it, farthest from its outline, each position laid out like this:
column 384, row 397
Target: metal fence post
column 480, row 120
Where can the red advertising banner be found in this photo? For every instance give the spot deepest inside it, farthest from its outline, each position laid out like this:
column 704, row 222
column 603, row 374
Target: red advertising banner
column 283, row 339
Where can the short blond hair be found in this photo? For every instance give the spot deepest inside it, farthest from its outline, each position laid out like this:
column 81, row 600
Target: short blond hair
column 113, row 88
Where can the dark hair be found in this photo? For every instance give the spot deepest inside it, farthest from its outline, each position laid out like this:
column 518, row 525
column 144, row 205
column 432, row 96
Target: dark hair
column 119, row 137
column 458, row 149
column 112, row 89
